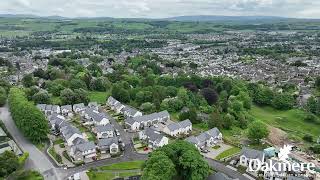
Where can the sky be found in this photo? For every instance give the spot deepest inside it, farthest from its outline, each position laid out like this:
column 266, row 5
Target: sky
column 162, row 8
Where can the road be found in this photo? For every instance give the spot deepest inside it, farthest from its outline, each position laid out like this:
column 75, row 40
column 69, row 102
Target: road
column 37, row 160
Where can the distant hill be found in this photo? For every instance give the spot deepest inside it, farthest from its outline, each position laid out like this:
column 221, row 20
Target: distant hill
column 224, row 18
column 199, row 18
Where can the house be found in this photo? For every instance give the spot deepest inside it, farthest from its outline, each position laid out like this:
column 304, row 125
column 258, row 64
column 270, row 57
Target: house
column 91, row 116
column 141, row 122
column 2, row 133
column 48, row 110
column 93, row 105
column 280, row 174
column 108, row 145
column 102, row 132
column 82, row 151
column 114, row 104
column 130, row 111
column 252, row 155
column 101, row 119
column 55, row 121
column 55, row 109
column 66, row 110
column 78, row 108
column 209, row 138
column 5, row 147
column 219, row 176
column 70, row 134
column 154, row 138
column 179, row 128
column 41, row 107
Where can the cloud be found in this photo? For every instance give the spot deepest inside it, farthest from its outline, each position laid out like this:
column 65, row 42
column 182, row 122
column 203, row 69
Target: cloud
column 161, row 8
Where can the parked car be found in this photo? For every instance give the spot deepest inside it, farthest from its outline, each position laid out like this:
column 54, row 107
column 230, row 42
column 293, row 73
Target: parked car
column 120, row 140
column 117, row 132
column 204, row 150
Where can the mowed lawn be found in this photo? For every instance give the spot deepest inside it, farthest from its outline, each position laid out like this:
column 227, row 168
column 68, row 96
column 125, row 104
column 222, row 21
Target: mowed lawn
column 228, row 153
column 110, row 172
column 99, row 97
column 109, row 175
column 124, row 166
column 291, row 121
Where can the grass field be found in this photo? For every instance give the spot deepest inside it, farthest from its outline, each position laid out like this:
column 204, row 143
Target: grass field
column 291, row 121
column 99, row 97
column 124, row 166
column 109, row 175
column 228, row 153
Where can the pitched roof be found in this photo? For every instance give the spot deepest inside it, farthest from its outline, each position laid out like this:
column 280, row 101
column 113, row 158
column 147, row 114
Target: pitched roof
column 84, row 146
column 69, row 130
column 101, row 129
column 80, row 106
column 130, row 110
column 149, row 117
column 66, row 107
column 153, row 135
column 107, row 141
column 252, row 153
column 178, row 125
column 42, row 107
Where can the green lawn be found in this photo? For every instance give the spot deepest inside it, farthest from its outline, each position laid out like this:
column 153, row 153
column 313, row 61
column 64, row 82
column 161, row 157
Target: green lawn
column 228, row 153
column 99, row 97
column 124, row 166
column 108, row 175
column 291, row 121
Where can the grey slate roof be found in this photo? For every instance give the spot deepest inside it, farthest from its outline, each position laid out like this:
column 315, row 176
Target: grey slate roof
column 78, row 141
column 130, row 110
column 98, row 117
column 149, row 117
column 252, row 153
column 84, row 146
column 93, row 104
column 66, row 107
column 69, row 130
column 41, row 107
column 80, row 106
column 178, row 125
column 153, row 135
column 203, row 137
column 112, row 101
column 101, row 129
column 48, row 107
column 107, row 142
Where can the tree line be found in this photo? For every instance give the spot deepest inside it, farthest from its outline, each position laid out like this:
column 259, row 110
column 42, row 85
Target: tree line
column 29, row 119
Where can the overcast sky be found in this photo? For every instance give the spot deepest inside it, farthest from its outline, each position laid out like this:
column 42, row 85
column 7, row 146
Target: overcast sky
column 162, row 8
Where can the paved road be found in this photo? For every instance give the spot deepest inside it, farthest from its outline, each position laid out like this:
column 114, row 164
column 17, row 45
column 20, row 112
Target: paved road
column 222, row 168
column 37, row 160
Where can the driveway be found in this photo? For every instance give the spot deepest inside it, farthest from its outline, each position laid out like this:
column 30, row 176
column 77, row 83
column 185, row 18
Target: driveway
column 213, row 153
column 37, row 160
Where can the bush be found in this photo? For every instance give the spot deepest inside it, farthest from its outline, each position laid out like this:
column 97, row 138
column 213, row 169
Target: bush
column 311, row 118
column 66, row 155
column 315, row 149
column 308, row 138
column 3, row 96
